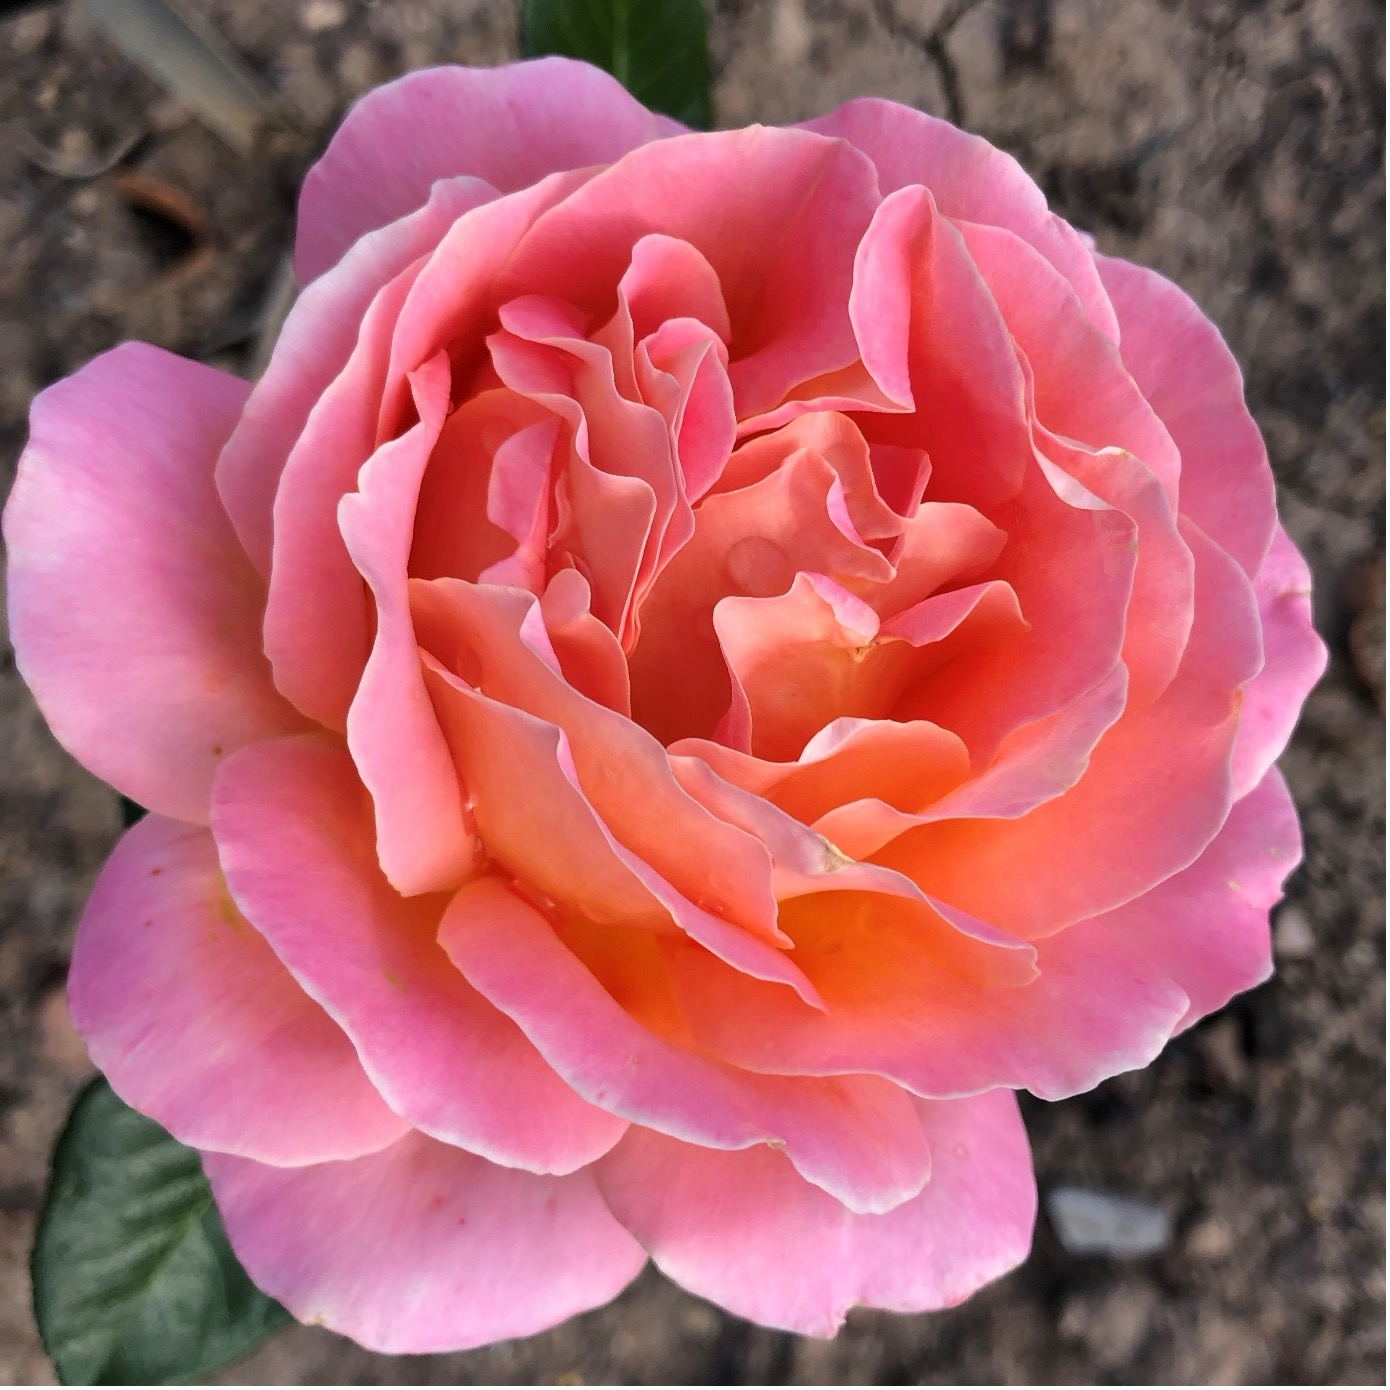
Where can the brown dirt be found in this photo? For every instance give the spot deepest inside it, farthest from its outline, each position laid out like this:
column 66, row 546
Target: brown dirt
column 1236, row 147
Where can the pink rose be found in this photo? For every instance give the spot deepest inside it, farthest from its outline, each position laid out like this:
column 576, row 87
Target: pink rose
column 705, row 663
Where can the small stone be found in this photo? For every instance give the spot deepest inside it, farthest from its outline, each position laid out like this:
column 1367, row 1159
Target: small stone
column 791, row 32
column 1222, row 1047
column 1293, row 933
column 1211, row 1239
column 320, row 15
column 1104, row 1223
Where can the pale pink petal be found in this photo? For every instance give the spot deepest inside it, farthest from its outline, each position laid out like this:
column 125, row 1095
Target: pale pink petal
column 855, row 1137
column 1081, row 386
column 134, row 614
column 511, row 126
column 1188, row 375
column 970, row 180
column 294, row 831
column 453, row 533
column 424, row 841
column 743, row 1230
column 423, row 1248
column 1294, row 659
column 590, row 656
column 453, row 304
column 315, row 343
column 318, row 629
column 194, row 1022
column 669, row 279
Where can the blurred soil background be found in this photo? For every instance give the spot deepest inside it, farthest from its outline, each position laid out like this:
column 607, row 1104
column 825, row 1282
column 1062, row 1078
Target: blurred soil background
column 1236, row 147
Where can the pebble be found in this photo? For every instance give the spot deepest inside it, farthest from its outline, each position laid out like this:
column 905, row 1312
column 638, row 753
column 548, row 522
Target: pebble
column 1212, row 1239
column 1088, row 1222
column 1293, row 933
column 320, row 15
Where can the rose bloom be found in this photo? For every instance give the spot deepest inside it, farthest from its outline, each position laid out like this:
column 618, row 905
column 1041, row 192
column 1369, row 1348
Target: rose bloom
column 706, row 662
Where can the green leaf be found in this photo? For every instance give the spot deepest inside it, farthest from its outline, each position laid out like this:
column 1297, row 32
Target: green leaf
column 657, row 49
column 134, row 1282
column 131, row 811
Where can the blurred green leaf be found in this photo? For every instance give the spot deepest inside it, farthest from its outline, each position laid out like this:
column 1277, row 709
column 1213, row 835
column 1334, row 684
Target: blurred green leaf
column 131, row 811
column 185, row 54
column 134, row 1281
column 658, row 49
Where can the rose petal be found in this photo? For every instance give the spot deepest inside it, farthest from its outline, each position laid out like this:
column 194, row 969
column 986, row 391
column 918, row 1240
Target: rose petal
column 1207, row 928
column 970, row 180
column 742, row 199
column 509, row 125
column 743, row 1230
column 424, row 841
column 1294, row 659
column 193, row 1020
column 1101, row 844
column 294, row 831
column 134, row 614
column 423, row 1248
column 853, row 1136
column 314, row 345
column 1188, row 375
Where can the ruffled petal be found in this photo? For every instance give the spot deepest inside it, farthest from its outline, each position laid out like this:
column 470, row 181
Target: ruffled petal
column 425, row 843
column 758, row 205
column 971, row 181
column 294, row 831
column 853, row 1136
column 314, row 345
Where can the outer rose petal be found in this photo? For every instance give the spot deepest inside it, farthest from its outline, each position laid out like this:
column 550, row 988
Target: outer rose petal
column 196, row 1023
column 969, row 179
column 744, row 1230
column 134, row 614
column 315, row 343
column 1294, row 659
column 295, row 837
column 510, row 125
column 1207, row 928
column 1188, row 375
column 422, row 1247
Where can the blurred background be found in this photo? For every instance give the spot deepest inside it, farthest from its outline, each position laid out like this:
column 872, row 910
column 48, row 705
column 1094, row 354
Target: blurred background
column 1238, row 1183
